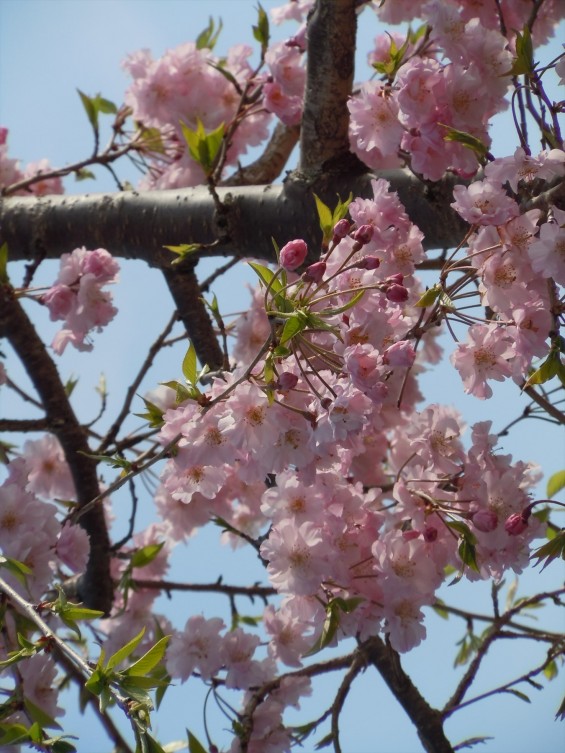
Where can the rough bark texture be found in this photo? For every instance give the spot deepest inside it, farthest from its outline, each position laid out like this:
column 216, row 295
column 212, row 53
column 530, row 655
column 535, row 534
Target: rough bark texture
column 138, row 225
column 332, row 29
column 96, row 585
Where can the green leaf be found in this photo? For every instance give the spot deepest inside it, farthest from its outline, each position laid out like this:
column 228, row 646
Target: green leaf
column 114, row 461
column 463, row 529
column 550, row 670
column 551, row 550
column 261, row 30
column 146, row 554
column 150, row 659
column 518, row 694
column 189, row 364
column 430, row 296
column 266, row 275
column 184, row 250
column 466, row 139
column 325, row 216
column 84, row 174
column 439, row 609
column 105, row 106
column 292, row 327
column 331, row 623
column 95, row 105
column 123, row 653
column 209, row 36
column 90, row 109
column 150, row 139
column 395, row 57
column 70, row 385
column 152, row 745
column 203, row 147
column 182, row 393
column 555, row 483
column 325, row 741
column 524, row 61
column 12, row 734
column 4, row 264
column 468, row 553
column 96, row 682
column 153, row 414
column 552, row 366
column 194, row 745
column 349, row 305
column 17, row 568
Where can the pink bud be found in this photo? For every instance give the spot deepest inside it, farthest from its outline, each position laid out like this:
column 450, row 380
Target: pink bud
column 516, row 524
column 3, row 136
column 430, row 534
column 409, row 535
column 368, row 262
column 364, row 234
column 341, row 229
column 485, row 520
column 293, row 254
column 396, row 279
column 315, row 272
column 400, row 354
column 397, row 293
column 287, row 381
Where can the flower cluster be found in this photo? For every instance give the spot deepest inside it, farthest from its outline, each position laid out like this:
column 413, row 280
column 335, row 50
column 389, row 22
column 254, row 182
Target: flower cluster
column 77, row 296
column 10, row 173
column 184, row 87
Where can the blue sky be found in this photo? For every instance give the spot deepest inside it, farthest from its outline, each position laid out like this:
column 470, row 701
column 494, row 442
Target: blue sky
column 48, row 49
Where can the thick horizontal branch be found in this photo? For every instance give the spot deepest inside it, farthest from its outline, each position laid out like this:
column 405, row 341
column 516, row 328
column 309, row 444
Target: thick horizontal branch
column 138, row 225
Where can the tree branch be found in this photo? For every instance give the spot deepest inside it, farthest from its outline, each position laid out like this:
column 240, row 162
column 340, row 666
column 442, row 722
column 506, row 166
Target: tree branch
column 96, row 586
column 324, row 137
column 427, row 720
column 184, row 287
column 270, row 164
column 138, row 225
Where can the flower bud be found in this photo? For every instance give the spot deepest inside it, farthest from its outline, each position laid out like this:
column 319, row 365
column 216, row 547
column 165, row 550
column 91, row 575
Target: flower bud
column 485, row 520
column 430, row 534
column 364, row 234
column 368, row 262
column 400, row 353
column 341, row 229
column 397, row 279
column 315, row 272
column 293, row 254
column 397, row 293
column 287, row 381
column 516, row 523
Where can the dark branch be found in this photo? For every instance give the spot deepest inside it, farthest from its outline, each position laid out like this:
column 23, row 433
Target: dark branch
column 270, row 164
column 427, row 720
column 324, row 138
column 138, row 225
column 186, row 293
column 96, row 588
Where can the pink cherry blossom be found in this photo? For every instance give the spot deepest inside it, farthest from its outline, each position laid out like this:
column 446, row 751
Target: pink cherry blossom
column 196, row 648
column 73, row 547
column 484, row 356
column 484, row 203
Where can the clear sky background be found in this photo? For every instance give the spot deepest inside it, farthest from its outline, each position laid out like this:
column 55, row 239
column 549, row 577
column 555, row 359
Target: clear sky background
column 48, row 49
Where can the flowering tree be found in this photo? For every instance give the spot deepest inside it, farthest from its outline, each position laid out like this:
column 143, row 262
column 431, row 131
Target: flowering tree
column 298, row 430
